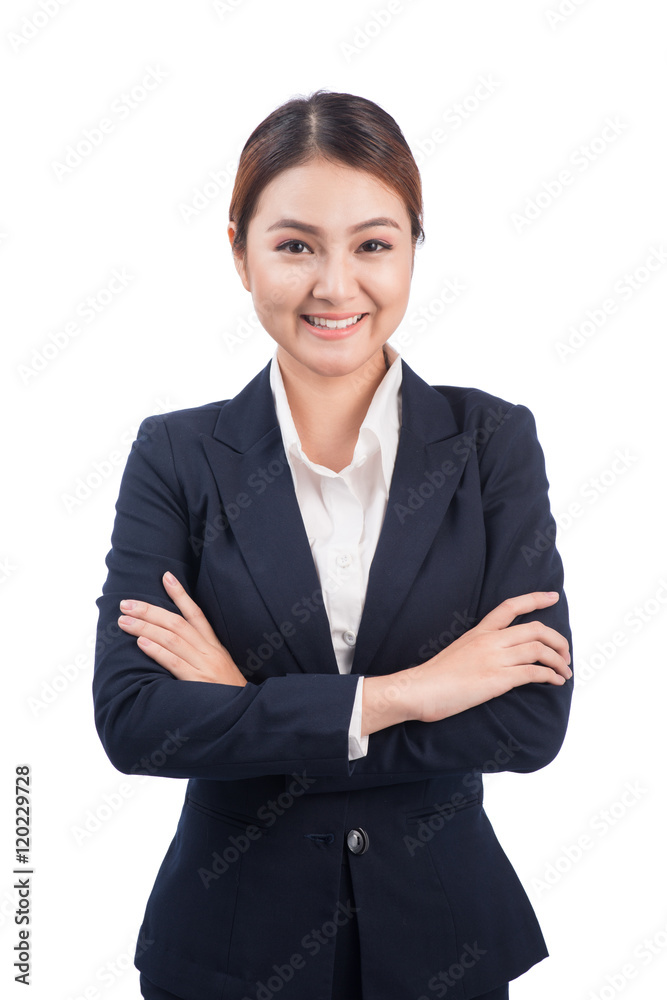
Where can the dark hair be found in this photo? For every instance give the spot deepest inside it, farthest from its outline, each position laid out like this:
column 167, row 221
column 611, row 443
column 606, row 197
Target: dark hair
column 338, row 127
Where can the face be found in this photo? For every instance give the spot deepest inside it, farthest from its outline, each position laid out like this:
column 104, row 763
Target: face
column 329, row 260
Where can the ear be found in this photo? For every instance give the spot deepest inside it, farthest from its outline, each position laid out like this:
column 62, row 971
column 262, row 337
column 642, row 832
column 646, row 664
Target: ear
column 239, row 258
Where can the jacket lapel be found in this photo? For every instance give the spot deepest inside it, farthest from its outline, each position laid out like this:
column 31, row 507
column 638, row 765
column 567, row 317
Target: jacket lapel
column 254, row 480
column 430, row 459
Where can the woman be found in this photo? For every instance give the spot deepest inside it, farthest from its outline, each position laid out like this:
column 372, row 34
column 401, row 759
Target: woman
column 340, row 604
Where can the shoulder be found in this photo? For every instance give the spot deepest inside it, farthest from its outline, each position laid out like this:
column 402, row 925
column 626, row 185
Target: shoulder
column 238, row 421
column 500, row 435
column 186, row 422
column 467, row 399
column 476, row 408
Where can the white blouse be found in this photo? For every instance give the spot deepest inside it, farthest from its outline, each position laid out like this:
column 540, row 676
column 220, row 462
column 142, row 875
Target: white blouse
column 343, row 512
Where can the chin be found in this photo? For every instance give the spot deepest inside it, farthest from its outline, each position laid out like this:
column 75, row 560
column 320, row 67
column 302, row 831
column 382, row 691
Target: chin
column 343, row 365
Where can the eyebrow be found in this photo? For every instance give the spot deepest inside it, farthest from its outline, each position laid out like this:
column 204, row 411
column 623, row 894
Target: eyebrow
column 305, row 228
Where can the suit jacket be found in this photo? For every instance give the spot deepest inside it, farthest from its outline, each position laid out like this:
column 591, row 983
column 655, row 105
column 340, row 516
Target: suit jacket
column 245, row 903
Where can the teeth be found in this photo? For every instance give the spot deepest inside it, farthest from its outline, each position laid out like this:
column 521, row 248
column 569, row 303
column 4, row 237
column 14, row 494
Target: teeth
column 334, row 324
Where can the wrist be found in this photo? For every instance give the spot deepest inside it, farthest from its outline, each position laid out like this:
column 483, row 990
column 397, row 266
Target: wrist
column 388, row 700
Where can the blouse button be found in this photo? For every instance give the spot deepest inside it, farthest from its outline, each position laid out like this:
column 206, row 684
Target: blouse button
column 349, row 637
column 344, row 560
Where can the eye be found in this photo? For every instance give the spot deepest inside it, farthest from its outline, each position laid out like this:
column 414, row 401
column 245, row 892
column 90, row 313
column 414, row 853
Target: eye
column 294, row 247
column 375, row 246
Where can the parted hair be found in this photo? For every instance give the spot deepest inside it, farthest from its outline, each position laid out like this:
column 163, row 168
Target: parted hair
column 338, row 127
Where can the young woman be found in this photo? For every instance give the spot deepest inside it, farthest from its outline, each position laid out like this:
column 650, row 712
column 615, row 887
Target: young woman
column 340, row 604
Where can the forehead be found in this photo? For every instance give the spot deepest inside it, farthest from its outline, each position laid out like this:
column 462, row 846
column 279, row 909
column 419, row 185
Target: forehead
column 322, row 193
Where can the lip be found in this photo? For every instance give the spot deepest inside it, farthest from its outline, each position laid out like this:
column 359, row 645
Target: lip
column 325, row 333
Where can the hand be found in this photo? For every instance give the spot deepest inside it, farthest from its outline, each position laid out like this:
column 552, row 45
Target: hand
column 185, row 644
column 487, row 661
column 491, row 659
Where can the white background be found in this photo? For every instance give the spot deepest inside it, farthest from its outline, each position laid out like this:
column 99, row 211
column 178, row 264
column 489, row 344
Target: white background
column 181, row 334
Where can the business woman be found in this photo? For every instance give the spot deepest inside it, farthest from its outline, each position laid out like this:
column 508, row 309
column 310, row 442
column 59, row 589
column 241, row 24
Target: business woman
column 333, row 602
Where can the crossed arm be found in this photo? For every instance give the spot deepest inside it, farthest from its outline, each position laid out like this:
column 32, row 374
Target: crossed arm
column 449, row 713
column 484, row 663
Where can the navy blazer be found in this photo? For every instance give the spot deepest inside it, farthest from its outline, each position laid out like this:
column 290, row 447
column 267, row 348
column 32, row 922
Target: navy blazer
column 245, row 903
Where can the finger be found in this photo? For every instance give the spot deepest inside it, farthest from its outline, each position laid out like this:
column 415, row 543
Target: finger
column 179, row 668
column 153, row 614
column 167, row 639
column 190, row 611
column 531, row 631
column 537, row 652
column 534, row 673
column 512, row 607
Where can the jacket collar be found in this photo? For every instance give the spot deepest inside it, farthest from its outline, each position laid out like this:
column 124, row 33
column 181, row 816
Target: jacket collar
column 251, row 414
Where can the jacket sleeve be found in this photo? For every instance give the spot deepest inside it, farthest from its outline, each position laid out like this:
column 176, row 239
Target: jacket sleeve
column 149, row 722
column 523, row 729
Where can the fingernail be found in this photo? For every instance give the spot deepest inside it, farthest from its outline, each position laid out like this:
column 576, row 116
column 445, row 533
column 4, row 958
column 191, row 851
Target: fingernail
column 168, row 578
column 125, row 620
column 127, row 605
column 552, row 593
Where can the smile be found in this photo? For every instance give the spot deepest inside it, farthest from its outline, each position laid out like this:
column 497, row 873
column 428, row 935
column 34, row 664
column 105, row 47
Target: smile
column 332, row 328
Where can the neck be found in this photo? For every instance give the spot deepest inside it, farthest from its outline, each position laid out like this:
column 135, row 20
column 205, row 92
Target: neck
column 328, row 411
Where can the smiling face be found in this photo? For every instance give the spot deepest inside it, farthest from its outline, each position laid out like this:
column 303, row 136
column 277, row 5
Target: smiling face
column 329, row 259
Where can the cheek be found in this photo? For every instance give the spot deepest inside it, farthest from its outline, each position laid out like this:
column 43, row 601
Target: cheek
column 393, row 289
column 279, row 288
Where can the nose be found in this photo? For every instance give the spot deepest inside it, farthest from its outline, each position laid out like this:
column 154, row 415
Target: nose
column 335, row 279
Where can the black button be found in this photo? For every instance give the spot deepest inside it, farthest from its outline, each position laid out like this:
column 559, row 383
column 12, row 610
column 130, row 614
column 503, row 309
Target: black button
column 357, row 841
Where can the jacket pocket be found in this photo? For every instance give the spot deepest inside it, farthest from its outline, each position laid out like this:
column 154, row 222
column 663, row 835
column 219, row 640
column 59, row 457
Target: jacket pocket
column 441, row 810
column 240, row 820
